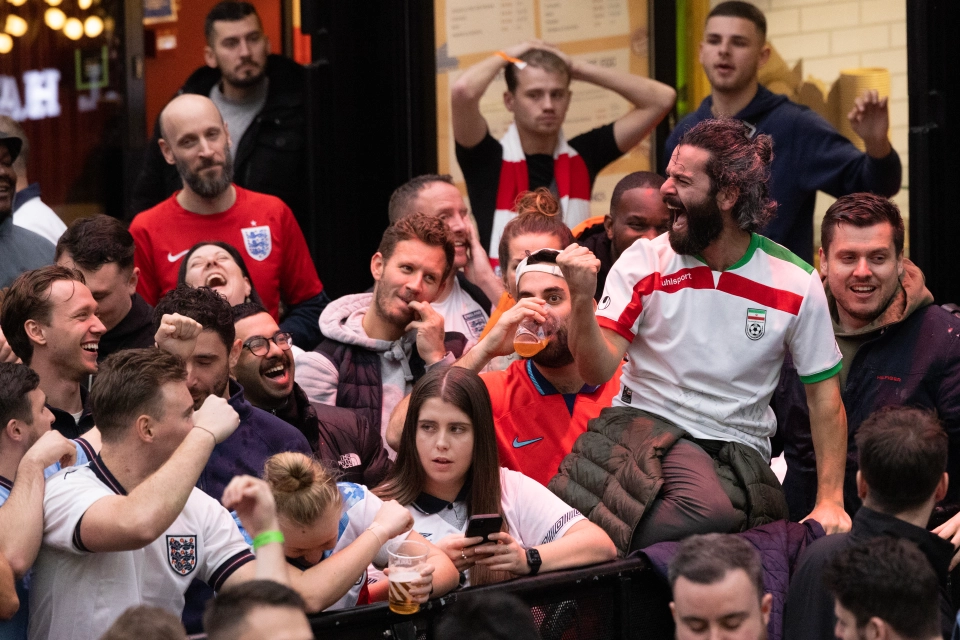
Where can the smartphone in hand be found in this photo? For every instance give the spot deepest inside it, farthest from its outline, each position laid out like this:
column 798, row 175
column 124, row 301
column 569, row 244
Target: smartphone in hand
column 483, row 525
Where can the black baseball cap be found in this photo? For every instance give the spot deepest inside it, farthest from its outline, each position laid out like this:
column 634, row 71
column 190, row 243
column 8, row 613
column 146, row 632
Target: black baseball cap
column 13, row 144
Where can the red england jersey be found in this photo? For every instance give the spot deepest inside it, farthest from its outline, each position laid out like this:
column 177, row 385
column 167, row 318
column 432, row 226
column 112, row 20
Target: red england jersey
column 536, row 424
column 260, row 226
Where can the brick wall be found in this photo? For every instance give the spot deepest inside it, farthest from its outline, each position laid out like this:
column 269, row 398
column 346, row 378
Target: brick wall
column 833, row 35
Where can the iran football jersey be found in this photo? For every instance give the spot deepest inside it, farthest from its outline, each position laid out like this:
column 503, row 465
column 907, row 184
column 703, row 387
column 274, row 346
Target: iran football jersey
column 77, row 594
column 706, row 346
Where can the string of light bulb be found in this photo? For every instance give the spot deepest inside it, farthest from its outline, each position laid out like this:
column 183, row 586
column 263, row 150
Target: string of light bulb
column 54, row 17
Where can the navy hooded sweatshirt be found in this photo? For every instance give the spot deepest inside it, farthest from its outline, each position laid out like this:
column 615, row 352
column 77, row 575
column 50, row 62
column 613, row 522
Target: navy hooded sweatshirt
column 808, row 155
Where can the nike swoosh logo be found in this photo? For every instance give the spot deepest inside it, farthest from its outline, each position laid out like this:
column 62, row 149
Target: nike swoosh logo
column 517, row 443
column 173, row 258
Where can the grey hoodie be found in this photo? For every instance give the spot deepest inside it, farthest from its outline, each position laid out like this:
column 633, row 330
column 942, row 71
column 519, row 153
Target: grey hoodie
column 342, row 321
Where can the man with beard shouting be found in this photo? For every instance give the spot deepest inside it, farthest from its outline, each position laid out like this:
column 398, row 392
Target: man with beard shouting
column 705, row 315
column 211, row 207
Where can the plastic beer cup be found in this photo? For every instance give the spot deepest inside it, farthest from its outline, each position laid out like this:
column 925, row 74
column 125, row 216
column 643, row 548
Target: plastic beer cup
column 406, row 559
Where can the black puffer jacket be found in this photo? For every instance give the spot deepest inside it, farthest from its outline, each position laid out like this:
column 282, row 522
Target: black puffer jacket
column 269, row 158
column 340, row 437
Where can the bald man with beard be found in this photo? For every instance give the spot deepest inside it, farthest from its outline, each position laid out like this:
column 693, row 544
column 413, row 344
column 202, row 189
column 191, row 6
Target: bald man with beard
column 211, row 207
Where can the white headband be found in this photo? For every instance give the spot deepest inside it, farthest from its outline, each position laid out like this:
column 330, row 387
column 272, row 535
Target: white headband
column 544, row 267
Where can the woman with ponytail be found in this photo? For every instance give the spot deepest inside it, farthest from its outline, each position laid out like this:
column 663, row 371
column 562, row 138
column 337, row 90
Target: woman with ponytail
column 447, row 470
column 333, row 531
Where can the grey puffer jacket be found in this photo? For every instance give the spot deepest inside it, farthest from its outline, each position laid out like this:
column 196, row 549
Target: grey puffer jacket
column 614, row 473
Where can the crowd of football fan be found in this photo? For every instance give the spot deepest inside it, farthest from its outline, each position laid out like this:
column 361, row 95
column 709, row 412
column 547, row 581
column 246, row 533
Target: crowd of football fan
column 184, row 412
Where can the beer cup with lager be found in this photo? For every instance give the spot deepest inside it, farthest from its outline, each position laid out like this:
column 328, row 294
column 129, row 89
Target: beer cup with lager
column 530, row 339
column 406, row 559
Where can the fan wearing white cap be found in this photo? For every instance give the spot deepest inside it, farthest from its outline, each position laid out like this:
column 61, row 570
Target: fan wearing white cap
column 541, row 404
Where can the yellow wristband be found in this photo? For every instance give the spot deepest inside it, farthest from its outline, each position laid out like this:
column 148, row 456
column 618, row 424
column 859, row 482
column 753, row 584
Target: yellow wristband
column 267, row 537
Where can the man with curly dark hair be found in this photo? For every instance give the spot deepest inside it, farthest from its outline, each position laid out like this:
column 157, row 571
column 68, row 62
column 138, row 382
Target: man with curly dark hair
column 705, row 315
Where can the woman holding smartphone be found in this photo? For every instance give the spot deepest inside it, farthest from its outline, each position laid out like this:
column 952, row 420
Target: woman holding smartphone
column 447, row 470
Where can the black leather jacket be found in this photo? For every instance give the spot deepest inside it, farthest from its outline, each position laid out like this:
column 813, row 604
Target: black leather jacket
column 269, row 158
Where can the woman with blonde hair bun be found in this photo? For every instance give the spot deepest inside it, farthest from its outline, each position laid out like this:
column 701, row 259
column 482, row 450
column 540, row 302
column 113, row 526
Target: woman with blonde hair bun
column 333, row 531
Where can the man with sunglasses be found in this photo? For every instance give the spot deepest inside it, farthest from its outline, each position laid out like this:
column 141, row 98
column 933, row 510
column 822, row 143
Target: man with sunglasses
column 265, row 368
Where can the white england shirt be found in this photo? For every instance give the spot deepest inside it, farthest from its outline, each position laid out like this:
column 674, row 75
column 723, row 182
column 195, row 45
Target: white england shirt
column 534, row 515
column 706, row 346
column 77, row 595
column 358, row 511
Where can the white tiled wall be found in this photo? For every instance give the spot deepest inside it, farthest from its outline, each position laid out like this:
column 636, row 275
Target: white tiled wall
column 833, row 35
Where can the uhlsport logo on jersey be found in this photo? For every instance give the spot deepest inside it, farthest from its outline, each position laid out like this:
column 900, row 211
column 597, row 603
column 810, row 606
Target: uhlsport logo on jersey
column 258, row 242
column 756, row 319
column 182, row 553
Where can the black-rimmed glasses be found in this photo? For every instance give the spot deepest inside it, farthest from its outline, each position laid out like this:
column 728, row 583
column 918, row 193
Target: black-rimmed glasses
column 260, row 346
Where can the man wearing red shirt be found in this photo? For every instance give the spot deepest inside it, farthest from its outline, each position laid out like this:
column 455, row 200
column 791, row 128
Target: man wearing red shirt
column 210, row 207
column 540, row 405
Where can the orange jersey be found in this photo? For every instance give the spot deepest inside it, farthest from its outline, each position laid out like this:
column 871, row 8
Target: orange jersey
column 536, row 424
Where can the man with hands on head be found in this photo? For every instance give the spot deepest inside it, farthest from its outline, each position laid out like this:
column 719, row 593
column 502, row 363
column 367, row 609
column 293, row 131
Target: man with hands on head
column 132, row 525
column 705, row 314
column 378, row 344
column 534, row 152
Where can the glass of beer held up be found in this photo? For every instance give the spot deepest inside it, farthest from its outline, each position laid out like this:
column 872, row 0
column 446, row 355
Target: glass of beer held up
column 530, row 339
column 406, row 560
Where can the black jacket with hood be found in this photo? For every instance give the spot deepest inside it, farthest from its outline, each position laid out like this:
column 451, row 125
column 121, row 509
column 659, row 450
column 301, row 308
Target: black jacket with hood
column 270, row 157
column 908, row 356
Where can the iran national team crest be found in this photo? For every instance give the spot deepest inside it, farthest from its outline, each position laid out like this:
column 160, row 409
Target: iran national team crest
column 182, row 553
column 756, row 319
column 257, row 241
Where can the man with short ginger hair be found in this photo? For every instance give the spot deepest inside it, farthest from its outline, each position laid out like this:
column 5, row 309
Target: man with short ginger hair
column 534, row 152
column 379, row 344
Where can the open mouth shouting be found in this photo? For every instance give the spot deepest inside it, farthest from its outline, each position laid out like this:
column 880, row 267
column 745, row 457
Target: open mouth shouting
column 215, row 280
column 276, row 373
column 678, row 213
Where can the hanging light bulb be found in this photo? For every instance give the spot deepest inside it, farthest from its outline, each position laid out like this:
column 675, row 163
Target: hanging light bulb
column 16, row 26
column 6, row 43
column 54, row 3
column 84, row 4
column 54, row 18
column 17, row 3
column 93, row 26
column 73, row 29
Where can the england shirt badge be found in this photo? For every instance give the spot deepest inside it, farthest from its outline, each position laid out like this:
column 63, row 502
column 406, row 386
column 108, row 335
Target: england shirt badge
column 258, row 242
column 182, row 553
column 756, row 319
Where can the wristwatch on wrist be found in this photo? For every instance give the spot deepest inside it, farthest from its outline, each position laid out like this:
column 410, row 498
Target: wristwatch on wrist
column 533, row 559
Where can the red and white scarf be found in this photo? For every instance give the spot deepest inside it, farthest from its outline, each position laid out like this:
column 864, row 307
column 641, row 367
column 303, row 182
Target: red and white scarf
column 569, row 173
